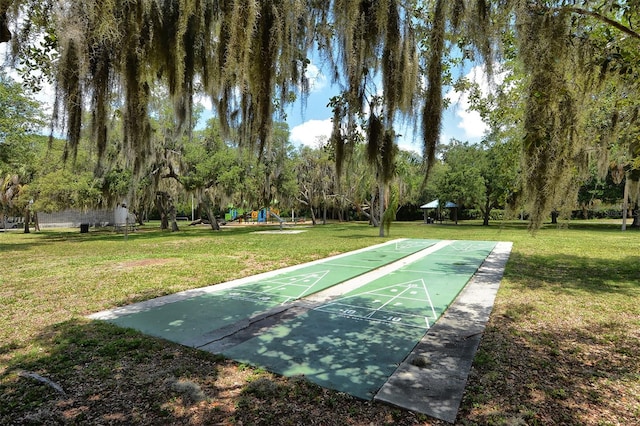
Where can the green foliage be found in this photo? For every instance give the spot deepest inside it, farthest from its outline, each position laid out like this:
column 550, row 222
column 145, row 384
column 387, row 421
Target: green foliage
column 462, row 182
column 20, row 119
column 62, row 189
column 117, row 183
column 316, row 179
column 410, row 179
column 225, row 174
column 390, row 212
column 251, row 57
column 478, row 176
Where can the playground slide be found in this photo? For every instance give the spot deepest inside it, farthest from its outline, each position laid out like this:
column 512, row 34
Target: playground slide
column 278, row 218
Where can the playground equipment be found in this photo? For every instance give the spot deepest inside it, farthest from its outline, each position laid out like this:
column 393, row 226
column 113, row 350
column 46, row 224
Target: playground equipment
column 234, row 214
column 260, row 216
column 279, row 219
column 266, row 213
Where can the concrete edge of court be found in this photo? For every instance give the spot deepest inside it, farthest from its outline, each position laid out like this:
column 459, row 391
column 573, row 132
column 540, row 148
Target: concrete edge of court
column 432, row 378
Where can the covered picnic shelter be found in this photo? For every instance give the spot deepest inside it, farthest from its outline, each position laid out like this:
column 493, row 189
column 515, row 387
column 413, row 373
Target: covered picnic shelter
column 437, row 206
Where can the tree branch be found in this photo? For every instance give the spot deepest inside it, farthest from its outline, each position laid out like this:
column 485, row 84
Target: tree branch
column 602, row 18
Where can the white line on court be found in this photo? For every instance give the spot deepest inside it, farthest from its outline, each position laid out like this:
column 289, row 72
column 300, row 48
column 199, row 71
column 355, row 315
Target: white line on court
column 357, row 282
column 361, row 313
column 428, row 272
column 433, row 309
column 437, row 389
column 390, row 300
column 342, row 265
column 409, row 287
column 315, row 300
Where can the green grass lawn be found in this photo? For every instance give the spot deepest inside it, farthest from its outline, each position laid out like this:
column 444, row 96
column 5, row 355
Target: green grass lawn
column 562, row 345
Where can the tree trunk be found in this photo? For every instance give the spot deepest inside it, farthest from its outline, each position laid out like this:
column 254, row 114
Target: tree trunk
column 554, row 217
column 486, row 213
column 313, row 215
column 381, row 209
column 27, row 219
column 162, row 211
column 215, row 226
column 138, row 216
column 625, row 205
column 167, row 211
column 362, row 212
column 373, row 220
column 5, row 33
column 173, row 216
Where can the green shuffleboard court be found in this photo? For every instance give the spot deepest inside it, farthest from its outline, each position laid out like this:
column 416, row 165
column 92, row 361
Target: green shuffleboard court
column 356, row 322
column 191, row 321
column 354, row 342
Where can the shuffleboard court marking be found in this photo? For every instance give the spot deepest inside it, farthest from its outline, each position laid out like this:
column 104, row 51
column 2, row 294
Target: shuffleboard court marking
column 351, row 285
column 222, row 339
column 409, row 244
column 114, row 313
column 469, row 246
column 390, row 304
column 346, row 265
column 196, row 318
column 437, row 389
column 367, row 331
column 357, row 358
column 278, row 287
column 369, row 260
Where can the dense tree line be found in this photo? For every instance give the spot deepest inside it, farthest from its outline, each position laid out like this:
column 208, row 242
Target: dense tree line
column 216, row 172
column 575, row 64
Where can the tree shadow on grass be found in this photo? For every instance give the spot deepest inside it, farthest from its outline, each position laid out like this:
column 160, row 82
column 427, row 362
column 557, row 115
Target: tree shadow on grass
column 562, row 345
column 569, row 273
column 21, row 246
column 112, row 375
column 147, row 233
column 108, row 375
column 572, row 375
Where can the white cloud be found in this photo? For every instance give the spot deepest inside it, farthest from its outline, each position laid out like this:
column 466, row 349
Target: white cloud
column 445, row 138
column 470, row 121
column 407, row 144
column 311, row 132
column 203, row 100
column 317, row 80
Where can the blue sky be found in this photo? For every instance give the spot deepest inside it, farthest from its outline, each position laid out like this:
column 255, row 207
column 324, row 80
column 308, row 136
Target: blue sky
column 315, row 121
